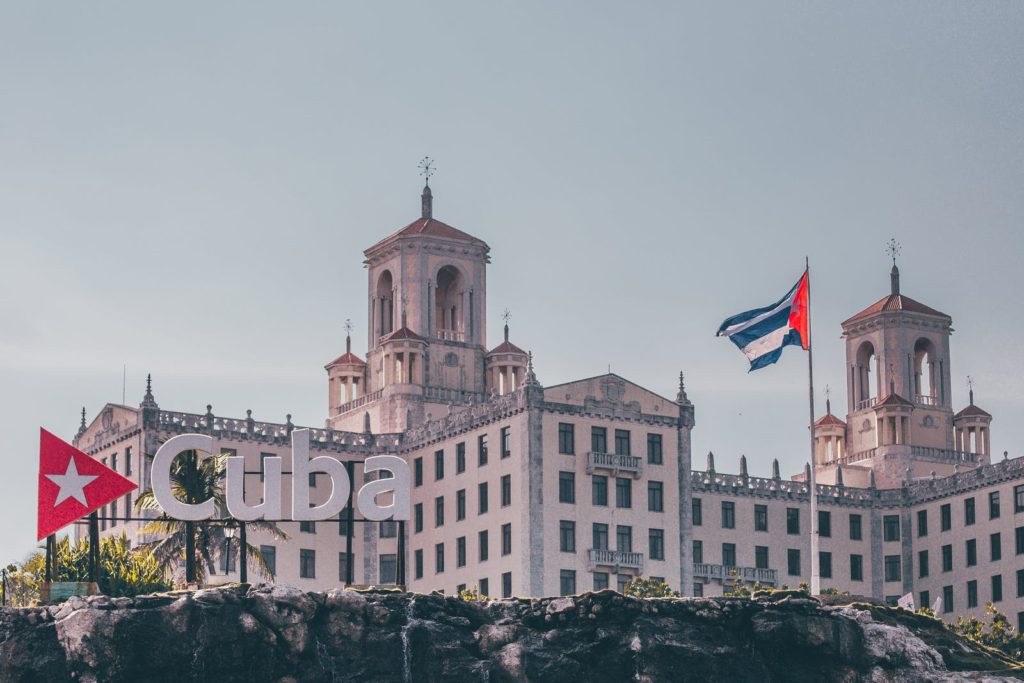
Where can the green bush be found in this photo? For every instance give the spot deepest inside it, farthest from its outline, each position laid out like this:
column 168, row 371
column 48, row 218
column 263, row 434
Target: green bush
column 640, row 587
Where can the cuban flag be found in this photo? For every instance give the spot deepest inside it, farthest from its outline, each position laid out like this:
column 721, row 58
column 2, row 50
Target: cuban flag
column 763, row 332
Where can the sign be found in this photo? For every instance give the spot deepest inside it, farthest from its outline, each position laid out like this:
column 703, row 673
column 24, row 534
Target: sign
column 906, row 602
column 72, row 484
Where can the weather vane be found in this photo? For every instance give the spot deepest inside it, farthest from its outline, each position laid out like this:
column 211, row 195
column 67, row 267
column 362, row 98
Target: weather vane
column 506, row 316
column 348, row 326
column 892, row 247
column 427, row 168
column 828, row 392
column 970, row 382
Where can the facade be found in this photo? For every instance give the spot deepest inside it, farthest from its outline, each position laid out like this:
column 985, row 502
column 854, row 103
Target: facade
column 525, row 489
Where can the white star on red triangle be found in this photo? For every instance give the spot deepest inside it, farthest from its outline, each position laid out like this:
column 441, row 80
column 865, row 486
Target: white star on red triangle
column 71, row 483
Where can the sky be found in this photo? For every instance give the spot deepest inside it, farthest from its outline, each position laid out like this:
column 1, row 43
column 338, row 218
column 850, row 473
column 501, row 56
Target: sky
column 186, row 190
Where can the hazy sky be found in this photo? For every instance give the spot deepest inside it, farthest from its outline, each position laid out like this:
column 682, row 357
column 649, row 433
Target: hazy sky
column 187, row 189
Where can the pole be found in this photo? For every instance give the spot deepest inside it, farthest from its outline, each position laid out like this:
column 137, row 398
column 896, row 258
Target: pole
column 349, row 517
column 812, row 484
column 401, row 554
column 48, row 569
column 243, row 554
column 94, row 547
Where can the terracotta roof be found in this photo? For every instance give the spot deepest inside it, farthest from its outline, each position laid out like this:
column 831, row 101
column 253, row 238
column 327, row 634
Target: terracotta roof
column 893, row 400
column 348, row 358
column 403, row 333
column 896, row 302
column 972, row 411
column 829, row 419
column 506, row 347
column 433, row 228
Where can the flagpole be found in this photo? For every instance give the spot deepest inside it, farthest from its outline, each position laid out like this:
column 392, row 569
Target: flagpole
column 812, row 484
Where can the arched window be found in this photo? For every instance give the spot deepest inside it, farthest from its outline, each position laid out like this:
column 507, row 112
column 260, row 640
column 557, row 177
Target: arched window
column 450, row 304
column 924, row 372
column 866, row 384
column 384, row 302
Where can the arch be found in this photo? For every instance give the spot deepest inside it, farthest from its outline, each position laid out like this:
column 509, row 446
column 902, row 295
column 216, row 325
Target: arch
column 384, row 300
column 866, row 386
column 450, row 303
column 924, row 371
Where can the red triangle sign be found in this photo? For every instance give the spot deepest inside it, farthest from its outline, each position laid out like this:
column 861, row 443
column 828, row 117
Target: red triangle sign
column 72, row 484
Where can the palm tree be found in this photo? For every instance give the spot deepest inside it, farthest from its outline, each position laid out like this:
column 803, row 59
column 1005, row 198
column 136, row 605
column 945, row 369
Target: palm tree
column 194, row 480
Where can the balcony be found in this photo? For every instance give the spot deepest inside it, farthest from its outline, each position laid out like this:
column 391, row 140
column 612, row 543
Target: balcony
column 866, row 403
column 616, row 559
column 630, row 464
column 451, row 335
column 922, row 400
column 724, row 573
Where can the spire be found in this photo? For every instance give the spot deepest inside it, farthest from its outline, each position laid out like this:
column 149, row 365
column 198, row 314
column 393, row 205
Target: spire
column 348, row 335
column 893, row 247
column 775, row 469
column 506, row 316
column 681, row 396
column 828, row 400
column 743, row 466
column 81, row 427
column 871, row 479
column 711, row 462
column 149, row 388
column 531, row 377
column 970, row 388
column 839, row 476
column 427, row 198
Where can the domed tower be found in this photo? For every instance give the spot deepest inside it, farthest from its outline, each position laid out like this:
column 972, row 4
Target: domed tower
column 971, row 431
column 829, row 437
column 346, row 379
column 505, row 366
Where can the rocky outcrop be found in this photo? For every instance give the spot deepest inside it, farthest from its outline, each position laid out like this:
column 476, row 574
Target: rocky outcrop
column 277, row 633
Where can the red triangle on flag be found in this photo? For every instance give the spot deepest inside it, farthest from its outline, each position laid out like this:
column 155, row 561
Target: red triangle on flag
column 72, row 484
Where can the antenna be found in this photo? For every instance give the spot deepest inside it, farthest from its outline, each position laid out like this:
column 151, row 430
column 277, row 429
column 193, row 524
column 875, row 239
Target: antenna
column 893, row 248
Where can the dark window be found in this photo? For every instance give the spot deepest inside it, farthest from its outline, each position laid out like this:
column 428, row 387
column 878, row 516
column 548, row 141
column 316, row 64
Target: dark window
column 506, row 585
column 655, row 496
column 946, row 517
column 922, row 563
column 728, row 514
column 947, row 599
column 600, row 536
column 307, row 564
column 438, row 558
column 993, row 505
column 656, row 543
column 925, row 599
column 388, row 565
column 947, row 558
column 969, row 511
column 856, row 567
column 343, row 526
column 307, row 527
column 698, row 590
column 483, row 545
column 506, row 442
column 825, row 565
column 761, row 556
column 793, row 521
column 729, row 554
column 760, row 518
column 482, row 498
column 506, row 539
column 600, row 581
column 343, row 567
column 460, row 551
column 1018, row 498
column 1019, row 538
column 824, row 523
column 922, row 523
column 438, row 465
column 622, row 442
column 263, row 464
column 972, row 593
column 997, row 588
column 312, row 480
column 567, row 581
column 439, row 511
column 793, row 561
column 566, row 487
column 567, row 536
column 506, row 490
column 460, row 457
column 598, row 440
column 654, row 456
column 566, row 438
column 995, row 543
column 698, row 517
column 418, row 563
column 481, row 449
column 1020, row 583
column 417, row 472
column 599, row 489
column 623, row 492
column 389, row 529
column 892, row 567
column 269, row 554
column 128, row 461
column 624, row 538
column 485, row 587
column 698, row 552
column 891, row 527
column 460, row 505
column 417, row 518
column 855, row 527
column 972, row 552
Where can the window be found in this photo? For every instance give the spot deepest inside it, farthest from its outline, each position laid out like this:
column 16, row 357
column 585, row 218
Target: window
column 922, row 523
column 113, row 513
column 567, row 536
column 793, row 521
column 481, row 450
column 263, row 464
column 972, row 552
column 307, row 527
column 656, row 543
column 623, row 492
column 599, row 490
column 600, row 536
column 417, row 472
column 728, row 514
column 417, row 518
column 760, row 518
column 825, row 565
column 439, row 511
column 793, row 561
column 624, row 538
column 567, row 581
column 506, row 539
column 698, row 590
column 482, row 498
column 566, row 487
column 969, row 512
column 995, row 544
column 622, row 442
column 343, row 526
column 460, row 551
column 972, row 594
column 417, row 559
column 698, row 552
column 891, row 527
column 388, row 529
column 307, row 564
column 824, row 524
column 485, row 587
column 598, row 440
column 993, row 505
column 622, row 580
column 439, row 558
column 761, row 556
column 697, row 516
column 113, row 458
column 506, row 490
column 892, row 567
column 460, row 588
column 388, row 567
column 460, row 505
column 945, row 517
column 566, row 438
column 438, row 465
column 654, row 456
column 312, row 480
column 947, row 558
column 856, row 567
column 997, row 588
column 925, row 599
column 506, row 442
column 855, row 527
column 947, row 599
column 1018, row 498
column 922, row 563
column 460, row 457
column 1019, row 538
column 506, row 585
column 343, row 576
column 729, row 554
column 600, row 581
column 1020, row 583
column 655, row 496
column 483, row 545
column 269, row 554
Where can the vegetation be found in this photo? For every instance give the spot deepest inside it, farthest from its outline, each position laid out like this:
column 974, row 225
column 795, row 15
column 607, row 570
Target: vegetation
column 640, row 587
column 995, row 631
column 472, row 595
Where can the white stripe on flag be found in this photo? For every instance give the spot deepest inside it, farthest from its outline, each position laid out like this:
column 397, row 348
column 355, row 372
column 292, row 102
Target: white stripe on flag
column 766, row 344
column 738, row 327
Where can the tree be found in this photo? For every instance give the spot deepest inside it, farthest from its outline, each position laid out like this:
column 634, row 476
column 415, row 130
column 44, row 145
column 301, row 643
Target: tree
column 194, row 480
column 996, row 632
column 640, row 587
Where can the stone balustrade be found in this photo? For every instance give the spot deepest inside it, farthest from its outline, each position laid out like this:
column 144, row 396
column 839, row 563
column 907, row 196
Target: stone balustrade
column 614, row 559
column 359, row 402
column 726, row 573
column 615, row 463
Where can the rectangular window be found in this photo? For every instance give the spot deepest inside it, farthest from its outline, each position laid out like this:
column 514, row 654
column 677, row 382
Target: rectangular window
column 417, row 558
column 113, row 512
column 483, row 540
column 698, row 552
column 925, row 599
column 1020, row 583
column 388, row 529
column 993, row 505
column 598, row 440
column 793, row 521
column 485, row 587
column 1018, row 498
column 947, row 558
column 460, row 505
column 460, row 457
column 307, row 527
column 997, row 588
column 793, row 561
column 600, row 581
column 891, row 528
column 969, row 511
column 922, row 563
column 922, row 523
column 482, row 498
column 945, row 517
column 728, row 514
column 761, row 556
column 312, row 480
column 972, row 593
column 856, row 567
column 506, row 585
column 622, row 581
column 343, row 568
column 128, row 461
column 263, row 464
column 825, row 564
column 506, row 539
column 460, row 551
column 1019, row 538
column 995, row 544
column 439, row 558
column 567, row 536
column 656, row 543
column 417, row 472
column 947, row 599
column 622, row 442
column 567, row 581
column 856, row 528
column 506, row 490
column 307, row 563
column 698, row 590
column 972, row 552
column 655, row 496
column 599, row 490
column 417, row 523
column 600, row 536
column 506, row 442
column 654, row 456
column 113, row 458
column 438, row 465
column 481, row 450
column 388, row 566
column 269, row 554
column 892, row 568
column 760, row 518
column 566, row 438
column 624, row 538
column 698, row 517
column 623, row 492
column 824, row 523
column 439, row 511
column 729, row 554
column 567, row 487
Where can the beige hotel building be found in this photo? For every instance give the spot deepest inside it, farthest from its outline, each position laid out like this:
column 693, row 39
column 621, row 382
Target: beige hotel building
column 526, row 489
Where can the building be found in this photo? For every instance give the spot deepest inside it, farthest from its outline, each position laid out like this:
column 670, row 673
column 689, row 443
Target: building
column 525, row 489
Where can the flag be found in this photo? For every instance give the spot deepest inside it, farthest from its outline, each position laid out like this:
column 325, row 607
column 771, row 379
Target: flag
column 762, row 333
column 72, row 484
column 906, row 602
column 937, row 607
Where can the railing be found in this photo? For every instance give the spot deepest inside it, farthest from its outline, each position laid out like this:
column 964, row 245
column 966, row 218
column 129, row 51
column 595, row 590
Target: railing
column 925, row 452
column 616, row 559
column 923, row 400
column 453, row 395
column 358, row 402
column 721, row 572
column 632, row 464
column 866, row 403
column 450, row 335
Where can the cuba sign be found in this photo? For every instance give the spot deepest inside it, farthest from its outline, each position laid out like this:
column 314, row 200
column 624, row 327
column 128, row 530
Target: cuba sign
column 398, row 484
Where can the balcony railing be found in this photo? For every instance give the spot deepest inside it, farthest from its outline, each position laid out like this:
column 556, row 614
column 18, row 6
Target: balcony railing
column 451, row 335
column 923, row 400
column 866, row 403
column 616, row 559
column 721, row 572
column 358, row 402
column 631, row 464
